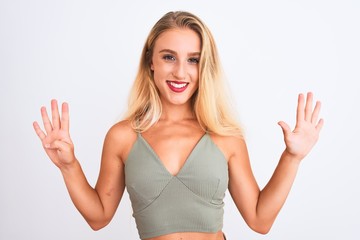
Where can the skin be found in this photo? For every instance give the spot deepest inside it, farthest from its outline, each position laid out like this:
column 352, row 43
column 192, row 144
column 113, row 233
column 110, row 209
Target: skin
column 172, row 138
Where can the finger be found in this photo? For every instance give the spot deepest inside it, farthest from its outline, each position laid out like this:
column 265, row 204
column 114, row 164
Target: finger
column 38, row 131
column 316, row 112
column 300, row 108
column 285, row 128
column 65, row 117
column 320, row 125
column 46, row 121
column 58, row 145
column 308, row 106
column 55, row 114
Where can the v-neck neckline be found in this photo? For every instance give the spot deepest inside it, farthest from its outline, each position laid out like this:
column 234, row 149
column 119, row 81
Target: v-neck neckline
column 161, row 162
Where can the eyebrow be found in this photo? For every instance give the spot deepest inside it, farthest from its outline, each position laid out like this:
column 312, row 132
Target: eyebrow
column 175, row 53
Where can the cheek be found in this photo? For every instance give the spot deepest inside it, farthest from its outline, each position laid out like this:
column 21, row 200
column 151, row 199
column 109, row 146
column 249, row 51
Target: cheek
column 194, row 72
column 158, row 74
column 159, row 77
column 162, row 71
column 156, row 78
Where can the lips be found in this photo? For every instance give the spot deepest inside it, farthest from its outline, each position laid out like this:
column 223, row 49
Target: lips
column 176, row 86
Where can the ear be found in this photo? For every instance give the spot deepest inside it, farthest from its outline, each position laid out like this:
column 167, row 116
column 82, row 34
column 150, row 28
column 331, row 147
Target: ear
column 152, row 66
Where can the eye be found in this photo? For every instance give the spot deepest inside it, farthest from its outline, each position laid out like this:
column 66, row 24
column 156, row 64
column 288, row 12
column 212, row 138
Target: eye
column 169, row 58
column 193, row 60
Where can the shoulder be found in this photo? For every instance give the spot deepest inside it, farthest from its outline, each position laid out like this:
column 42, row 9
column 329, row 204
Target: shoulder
column 233, row 147
column 121, row 130
column 120, row 138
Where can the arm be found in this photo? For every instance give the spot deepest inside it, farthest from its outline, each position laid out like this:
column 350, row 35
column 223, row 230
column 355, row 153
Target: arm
column 260, row 208
column 97, row 205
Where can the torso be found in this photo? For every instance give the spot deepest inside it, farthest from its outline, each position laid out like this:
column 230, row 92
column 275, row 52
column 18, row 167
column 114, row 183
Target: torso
column 173, row 143
column 190, row 236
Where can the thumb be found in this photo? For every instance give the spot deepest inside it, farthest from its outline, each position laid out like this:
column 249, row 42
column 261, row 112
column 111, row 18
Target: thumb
column 60, row 145
column 285, row 128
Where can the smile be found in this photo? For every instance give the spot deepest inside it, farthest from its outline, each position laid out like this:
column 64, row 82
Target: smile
column 177, row 86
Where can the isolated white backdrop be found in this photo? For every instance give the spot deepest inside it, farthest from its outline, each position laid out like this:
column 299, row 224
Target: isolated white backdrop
column 87, row 52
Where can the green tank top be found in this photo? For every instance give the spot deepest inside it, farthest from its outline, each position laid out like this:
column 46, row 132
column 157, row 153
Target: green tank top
column 191, row 201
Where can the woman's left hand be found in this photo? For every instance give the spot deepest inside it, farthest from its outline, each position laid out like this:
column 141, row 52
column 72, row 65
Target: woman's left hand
column 301, row 140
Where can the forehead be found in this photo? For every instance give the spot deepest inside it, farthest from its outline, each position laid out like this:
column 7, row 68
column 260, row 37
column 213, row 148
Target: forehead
column 178, row 40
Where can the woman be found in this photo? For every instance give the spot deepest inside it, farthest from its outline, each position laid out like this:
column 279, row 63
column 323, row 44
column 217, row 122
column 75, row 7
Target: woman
column 179, row 147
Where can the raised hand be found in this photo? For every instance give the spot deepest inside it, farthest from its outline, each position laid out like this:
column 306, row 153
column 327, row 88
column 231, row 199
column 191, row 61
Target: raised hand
column 56, row 138
column 300, row 141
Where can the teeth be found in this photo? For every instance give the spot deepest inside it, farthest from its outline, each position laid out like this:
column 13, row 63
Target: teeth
column 177, row 85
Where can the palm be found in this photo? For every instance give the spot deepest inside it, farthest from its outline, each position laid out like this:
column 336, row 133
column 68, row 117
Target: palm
column 300, row 141
column 54, row 154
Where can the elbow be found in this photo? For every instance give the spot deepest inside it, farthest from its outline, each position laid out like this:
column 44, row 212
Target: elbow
column 261, row 228
column 96, row 226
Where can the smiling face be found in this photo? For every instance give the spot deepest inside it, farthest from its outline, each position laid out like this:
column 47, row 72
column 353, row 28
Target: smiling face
column 175, row 65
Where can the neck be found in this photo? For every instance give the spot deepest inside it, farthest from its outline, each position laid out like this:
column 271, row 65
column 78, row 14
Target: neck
column 176, row 113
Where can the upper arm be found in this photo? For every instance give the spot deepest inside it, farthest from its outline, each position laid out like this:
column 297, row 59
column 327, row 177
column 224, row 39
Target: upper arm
column 243, row 187
column 111, row 181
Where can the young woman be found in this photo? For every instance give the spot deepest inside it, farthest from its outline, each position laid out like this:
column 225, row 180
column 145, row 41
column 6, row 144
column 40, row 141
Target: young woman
column 179, row 148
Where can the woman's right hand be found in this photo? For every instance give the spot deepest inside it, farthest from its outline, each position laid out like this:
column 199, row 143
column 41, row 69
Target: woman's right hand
column 56, row 138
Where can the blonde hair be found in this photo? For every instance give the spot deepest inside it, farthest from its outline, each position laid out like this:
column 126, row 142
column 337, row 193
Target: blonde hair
column 210, row 102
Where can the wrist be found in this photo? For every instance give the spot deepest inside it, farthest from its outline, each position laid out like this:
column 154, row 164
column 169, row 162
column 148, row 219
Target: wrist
column 69, row 167
column 294, row 158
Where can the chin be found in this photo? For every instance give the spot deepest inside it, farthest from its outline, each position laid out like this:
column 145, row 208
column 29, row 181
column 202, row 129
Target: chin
column 179, row 102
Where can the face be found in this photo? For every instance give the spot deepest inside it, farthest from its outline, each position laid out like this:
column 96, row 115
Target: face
column 175, row 65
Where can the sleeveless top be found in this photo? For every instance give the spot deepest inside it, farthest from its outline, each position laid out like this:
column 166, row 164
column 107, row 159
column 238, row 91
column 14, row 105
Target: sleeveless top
column 190, row 201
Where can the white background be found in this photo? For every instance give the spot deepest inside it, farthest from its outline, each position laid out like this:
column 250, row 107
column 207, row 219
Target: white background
column 87, row 53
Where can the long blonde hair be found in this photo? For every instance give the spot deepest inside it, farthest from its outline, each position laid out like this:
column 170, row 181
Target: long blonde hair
column 210, row 102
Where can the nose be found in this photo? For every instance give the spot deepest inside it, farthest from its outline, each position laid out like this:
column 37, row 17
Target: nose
column 179, row 71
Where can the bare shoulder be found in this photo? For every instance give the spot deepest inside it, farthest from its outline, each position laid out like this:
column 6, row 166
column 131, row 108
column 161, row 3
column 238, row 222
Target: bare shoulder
column 120, row 138
column 231, row 146
column 121, row 130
